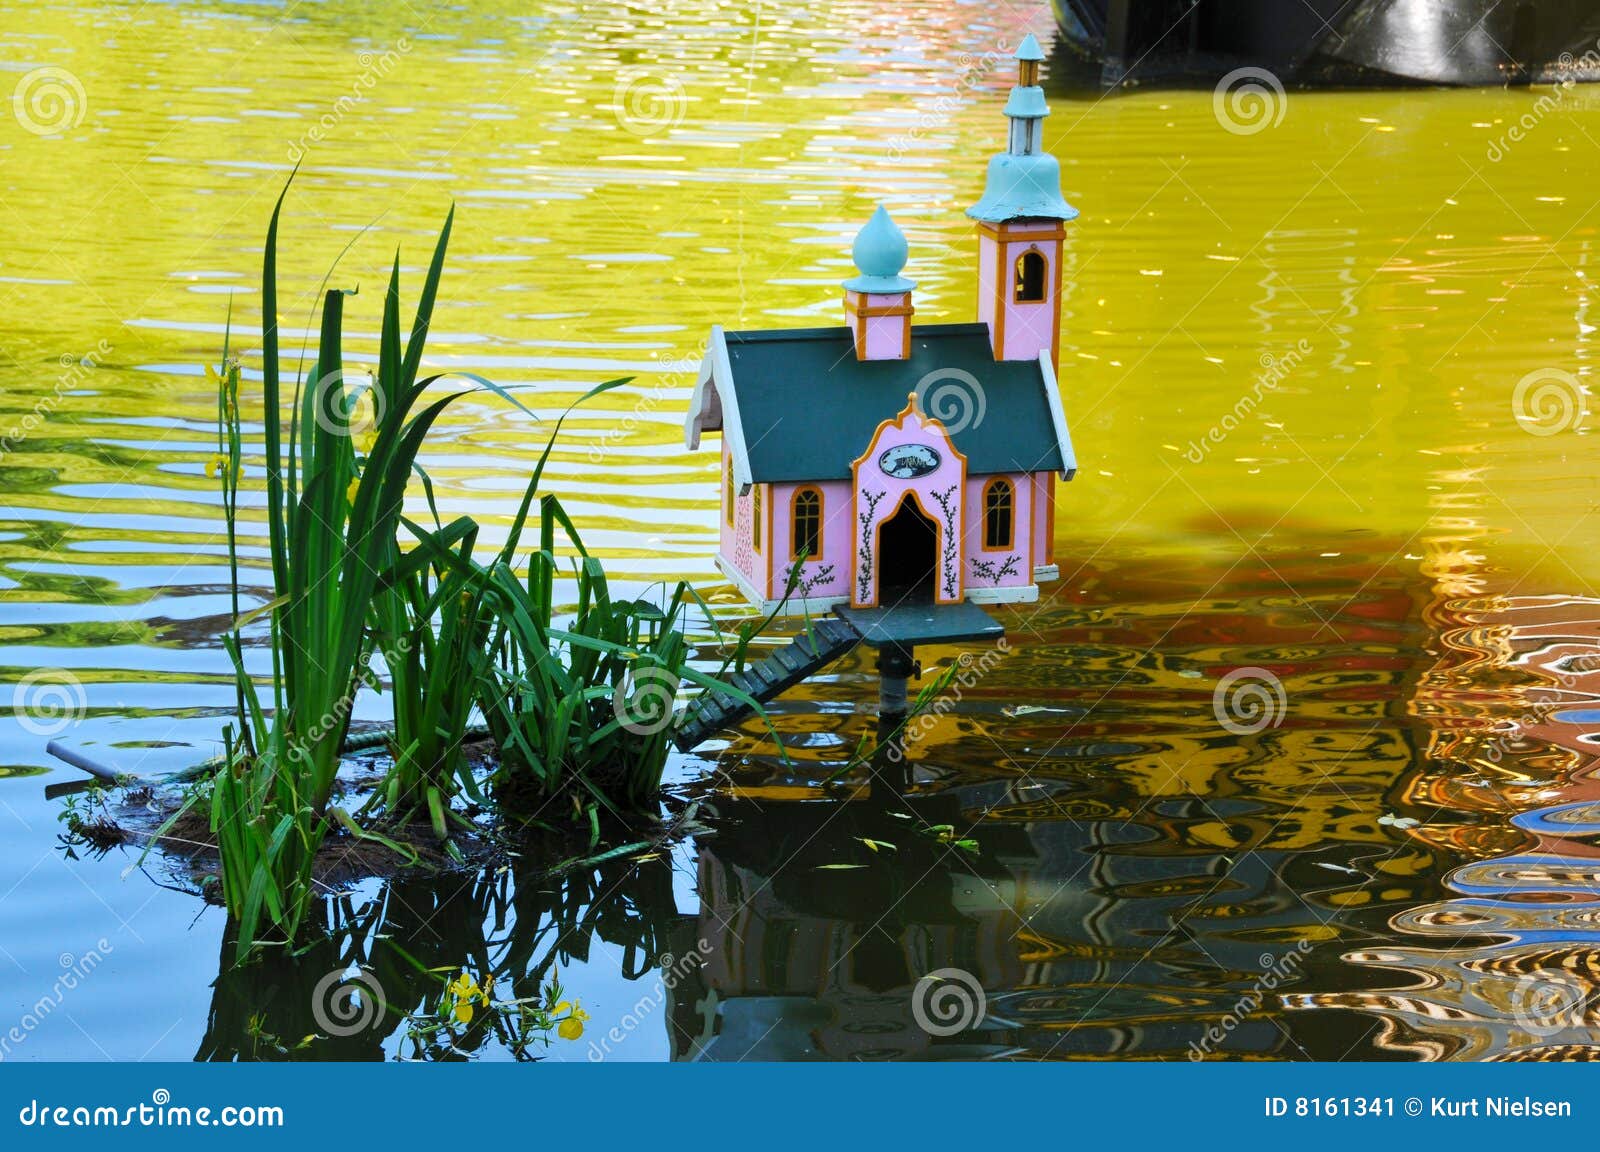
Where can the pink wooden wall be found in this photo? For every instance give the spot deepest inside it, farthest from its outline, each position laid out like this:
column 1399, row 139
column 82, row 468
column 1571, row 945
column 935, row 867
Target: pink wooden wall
column 826, row 574
column 737, row 546
column 984, row 568
column 1029, row 328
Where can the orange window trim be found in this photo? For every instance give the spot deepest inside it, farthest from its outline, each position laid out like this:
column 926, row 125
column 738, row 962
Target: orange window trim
column 999, row 498
column 811, row 513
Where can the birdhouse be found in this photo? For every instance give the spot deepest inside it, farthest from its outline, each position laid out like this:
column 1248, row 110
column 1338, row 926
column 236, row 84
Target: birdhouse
column 880, row 462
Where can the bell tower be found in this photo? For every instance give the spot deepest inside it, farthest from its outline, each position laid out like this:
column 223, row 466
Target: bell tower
column 1021, row 228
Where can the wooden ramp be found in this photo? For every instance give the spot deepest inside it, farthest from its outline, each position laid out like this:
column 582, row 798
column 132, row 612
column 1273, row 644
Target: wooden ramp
column 894, row 629
column 711, row 712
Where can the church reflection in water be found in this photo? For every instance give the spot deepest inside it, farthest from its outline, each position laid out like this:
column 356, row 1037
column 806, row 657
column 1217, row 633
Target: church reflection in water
column 1407, row 867
column 1140, row 879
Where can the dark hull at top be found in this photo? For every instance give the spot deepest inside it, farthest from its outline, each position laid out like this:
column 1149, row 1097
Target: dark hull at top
column 1465, row 42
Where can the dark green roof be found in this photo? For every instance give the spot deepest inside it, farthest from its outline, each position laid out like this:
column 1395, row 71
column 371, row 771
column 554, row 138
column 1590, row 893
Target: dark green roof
column 808, row 407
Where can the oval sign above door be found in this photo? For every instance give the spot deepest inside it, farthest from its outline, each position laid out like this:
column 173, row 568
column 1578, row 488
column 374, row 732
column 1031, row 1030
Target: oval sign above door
column 908, row 461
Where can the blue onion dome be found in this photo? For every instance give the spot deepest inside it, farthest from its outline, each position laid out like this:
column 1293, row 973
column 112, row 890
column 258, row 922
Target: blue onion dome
column 880, row 252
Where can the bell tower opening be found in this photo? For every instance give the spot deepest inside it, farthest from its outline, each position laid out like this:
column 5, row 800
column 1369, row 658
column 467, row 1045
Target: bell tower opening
column 908, row 556
column 1030, row 270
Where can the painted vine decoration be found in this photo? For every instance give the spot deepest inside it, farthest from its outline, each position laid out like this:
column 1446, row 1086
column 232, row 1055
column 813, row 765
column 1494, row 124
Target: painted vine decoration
column 804, row 584
column 864, row 568
column 994, row 573
column 950, row 567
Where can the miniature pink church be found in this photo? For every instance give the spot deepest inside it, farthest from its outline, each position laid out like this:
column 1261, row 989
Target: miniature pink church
column 837, row 471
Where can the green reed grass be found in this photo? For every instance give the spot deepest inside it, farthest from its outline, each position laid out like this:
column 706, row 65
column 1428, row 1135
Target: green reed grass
column 332, row 517
column 578, row 703
column 433, row 626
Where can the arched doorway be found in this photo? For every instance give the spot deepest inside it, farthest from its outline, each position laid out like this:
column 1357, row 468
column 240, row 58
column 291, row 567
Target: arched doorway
column 908, row 555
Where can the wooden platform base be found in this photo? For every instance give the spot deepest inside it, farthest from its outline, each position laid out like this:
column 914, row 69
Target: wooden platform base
column 908, row 625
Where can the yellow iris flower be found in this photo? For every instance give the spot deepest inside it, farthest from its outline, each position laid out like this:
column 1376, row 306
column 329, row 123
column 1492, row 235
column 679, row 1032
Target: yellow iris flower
column 464, row 989
column 572, row 1027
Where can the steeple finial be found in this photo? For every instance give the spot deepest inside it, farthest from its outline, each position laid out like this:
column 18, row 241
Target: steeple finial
column 1029, row 55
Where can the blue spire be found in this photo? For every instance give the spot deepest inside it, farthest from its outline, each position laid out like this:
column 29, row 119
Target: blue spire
column 880, row 253
column 1024, row 180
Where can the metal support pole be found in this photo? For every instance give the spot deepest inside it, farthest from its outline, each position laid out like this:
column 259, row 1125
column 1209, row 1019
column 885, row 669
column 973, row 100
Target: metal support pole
column 890, row 771
column 896, row 664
